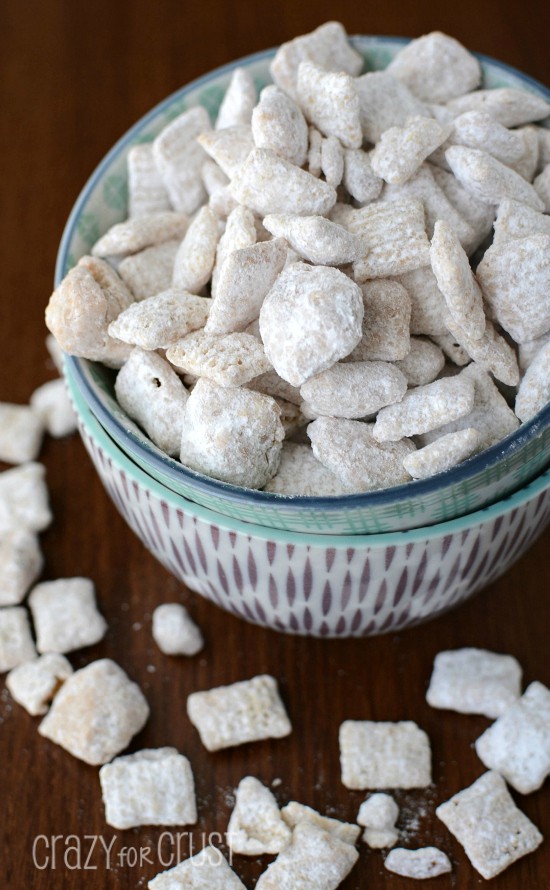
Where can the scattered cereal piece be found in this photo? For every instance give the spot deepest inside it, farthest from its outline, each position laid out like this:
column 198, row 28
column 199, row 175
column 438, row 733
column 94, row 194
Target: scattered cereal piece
column 444, row 453
column 350, row 451
column 231, row 434
column 175, row 632
column 311, row 318
column 269, row 184
column 228, row 359
column 207, row 870
column 239, row 100
column 256, row 826
column 517, row 745
column 330, row 102
column 158, row 322
column 179, row 159
column 534, row 389
column 316, row 239
column 139, row 232
column 517, row 220
column 384, row 102
column 486, row 821
column 425, row 408
column 401, row 150
column 436, row 68
column 21, row 433
column 542, row 187
column 386, row 322
column 424, row 863
column 21, row 562
column 474, row 681
column 149, row 272
column 384, row 755
column 359, row 178
column 34, row 684
column 394, row 237
column 489, row 180
column 279, row 125
column 422, row 363
column 354, row 389
column 456, row 281
column 96, row 713
column 146, row 191
column 315, row 860
column 152, row 394
column 248, row 711
column 229, row 147
column 295, row 813
column 378, row 814
column 65, row 615
column 327, row 46
column 52, row 403
column 491, row 351
column 195, row 258
column 332, row 160
column 16, row 645
column 509, row 106
column 427, row 301
column 151, row 787
column 24, row 499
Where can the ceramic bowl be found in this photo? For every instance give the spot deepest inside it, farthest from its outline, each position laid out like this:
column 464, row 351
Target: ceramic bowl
column 319, row 585
column 481, row 480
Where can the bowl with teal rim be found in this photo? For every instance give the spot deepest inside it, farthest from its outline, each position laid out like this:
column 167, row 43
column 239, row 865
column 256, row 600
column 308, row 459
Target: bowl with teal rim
column 315, row 584
column 481, row 480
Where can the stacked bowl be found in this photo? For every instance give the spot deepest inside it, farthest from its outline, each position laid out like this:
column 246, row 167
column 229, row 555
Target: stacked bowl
column 341, row 566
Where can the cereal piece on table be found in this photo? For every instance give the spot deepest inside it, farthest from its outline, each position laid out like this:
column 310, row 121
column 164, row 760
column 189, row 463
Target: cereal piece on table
column 240, row 232
column 315, row 148
column 55, row 352
column 21, row 433
column 542, row 187
column 301, row 474
column 517, row 220
column 487, row 179
column 229, row 147
column 359, row 178
column 34, row 684
column 534, row 389
column 327, row 46
column 354, row 389
column 24, row 499
column 394, row 238
column 528, row 350
column 65, row 615
column 179, row 159
column 239, row 100
column 227, row 359
column 386, row 323
column 422, row 864
column 272, row 385
column 515, row 280
column 380, row 838
column 474, row 681
column 256, row 825
column 295, row 813
column 478, row 215
column 378, row 814
column 175, row 632
column 315, row 860
column 452, row 349
column 96, row 713
column 207, row 870
column 248, row 711
column 509, row 106
column 52, row 403
column 425, row 408
column 444, row 453
column 316, row 239
column 401, row 150
column 152, row 394
column 477, row 129
column 21, row 562
column 384, row 102
column 269, row 184
column 422, row 363
column 232, row 434
column 384, row 755
column 196, row 254
column 16, row 644
column 427, row 301
column 146, row 191
column 311, row 318
column 157, row 322
column 456, row 281
column 81, row 308
column 332, row 160
column 139, row 232
column 491, row 351
column 330, row 102
column 517, row 745
column 149, row 272
column 349, row 450
column 279, row 125
column 486, row 821
column 154, row 786
column 244, row 279
column 436, row 68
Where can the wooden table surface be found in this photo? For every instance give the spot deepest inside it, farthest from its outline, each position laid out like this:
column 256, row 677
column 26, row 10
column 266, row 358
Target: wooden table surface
column 73, row 78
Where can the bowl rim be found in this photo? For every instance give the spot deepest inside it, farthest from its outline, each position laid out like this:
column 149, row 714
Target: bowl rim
column 440, row 530
column 175, row 472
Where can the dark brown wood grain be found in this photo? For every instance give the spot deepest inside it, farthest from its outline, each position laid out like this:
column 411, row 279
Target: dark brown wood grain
column 73, row 77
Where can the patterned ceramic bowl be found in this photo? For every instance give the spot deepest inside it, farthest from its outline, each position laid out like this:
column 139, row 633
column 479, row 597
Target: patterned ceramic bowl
column 481, row 480
column 319, row 585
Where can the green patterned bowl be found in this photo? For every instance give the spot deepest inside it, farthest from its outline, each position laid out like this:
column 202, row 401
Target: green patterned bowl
column 482, row 480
